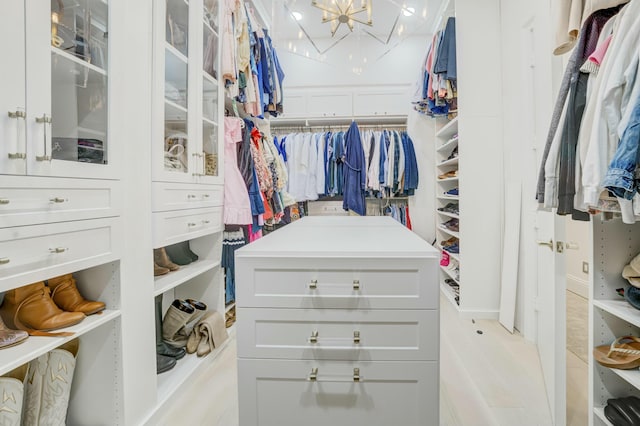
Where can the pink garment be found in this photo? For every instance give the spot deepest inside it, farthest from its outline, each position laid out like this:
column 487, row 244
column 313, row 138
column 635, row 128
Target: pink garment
column 598, row 54
column 237, row 207
column 429, row 66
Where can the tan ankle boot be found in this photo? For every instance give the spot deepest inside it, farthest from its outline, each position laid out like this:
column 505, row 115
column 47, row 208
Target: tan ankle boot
column 162, row 259
column 159, row 270
column 65, row 294
column 30, row 308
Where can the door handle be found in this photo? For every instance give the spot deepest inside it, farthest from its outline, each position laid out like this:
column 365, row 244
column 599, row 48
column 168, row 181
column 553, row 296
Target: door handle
column 572, row 246
column 545, row 243
column 45, row 120
column 19, row 115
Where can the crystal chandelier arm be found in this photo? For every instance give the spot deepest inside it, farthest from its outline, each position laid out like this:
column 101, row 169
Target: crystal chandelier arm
column 325, row 8
column 353, row 18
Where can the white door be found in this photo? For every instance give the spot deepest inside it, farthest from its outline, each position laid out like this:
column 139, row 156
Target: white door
column 12, row 101
column 540, row 76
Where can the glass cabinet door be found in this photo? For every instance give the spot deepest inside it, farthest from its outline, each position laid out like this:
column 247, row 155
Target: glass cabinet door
column 177, row 139
column 68, row 88
column 210, row 89
column 12, row 94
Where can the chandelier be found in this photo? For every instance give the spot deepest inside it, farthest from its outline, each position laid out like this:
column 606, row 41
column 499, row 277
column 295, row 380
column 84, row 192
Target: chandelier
column 339, row 12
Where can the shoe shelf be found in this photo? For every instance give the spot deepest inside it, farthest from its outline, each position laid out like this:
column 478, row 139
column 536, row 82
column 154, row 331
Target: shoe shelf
column 451, row 162
column 448, row 294
column 449, row 274
column 630, row 376
column 451, row 179
column 450, row 144
column 449, row 232
column 456, row 256
column 620, row 309
column 599, row 412
column 172, row 380
column 164, row 283
column 452, row 215
column 448, row 130
column 35, row 346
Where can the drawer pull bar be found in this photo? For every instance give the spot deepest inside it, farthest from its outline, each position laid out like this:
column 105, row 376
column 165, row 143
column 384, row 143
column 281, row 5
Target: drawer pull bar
column 206, row 222
column 313, row 285
column 58, row 250
column 205, row 196
column 191, row 196
column 4, row 201
column 57, row 200
column 191, row 224
column 314, row 337
column 356, row 337
column 314, row 375
column 4, row 260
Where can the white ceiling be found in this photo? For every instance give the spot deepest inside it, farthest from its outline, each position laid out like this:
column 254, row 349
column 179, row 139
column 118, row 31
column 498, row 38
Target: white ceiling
column 311, row 38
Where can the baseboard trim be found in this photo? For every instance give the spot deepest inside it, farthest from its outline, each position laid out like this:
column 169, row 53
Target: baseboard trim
column 578, row 286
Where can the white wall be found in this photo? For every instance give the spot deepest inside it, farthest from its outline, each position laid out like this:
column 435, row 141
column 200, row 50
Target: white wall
column 577, row 233
column 421, row 129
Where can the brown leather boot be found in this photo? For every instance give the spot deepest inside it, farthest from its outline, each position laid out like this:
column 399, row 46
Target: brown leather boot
column 65, row 294
column 161, row 259
column 30, row 308
column 159, row 270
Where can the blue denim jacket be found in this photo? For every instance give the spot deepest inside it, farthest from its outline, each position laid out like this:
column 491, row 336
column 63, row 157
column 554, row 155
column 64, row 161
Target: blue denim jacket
column 620, row 178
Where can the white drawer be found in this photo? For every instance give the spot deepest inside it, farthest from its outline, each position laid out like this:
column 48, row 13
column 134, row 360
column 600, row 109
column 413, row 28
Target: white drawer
column 343, row 283
column 279, row 393
column 32, row 200
column 33, row 253
column 179, row 196
column 338, row 334
column 180, row 225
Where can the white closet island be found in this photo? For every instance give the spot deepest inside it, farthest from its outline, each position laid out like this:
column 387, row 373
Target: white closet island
column 338, row 323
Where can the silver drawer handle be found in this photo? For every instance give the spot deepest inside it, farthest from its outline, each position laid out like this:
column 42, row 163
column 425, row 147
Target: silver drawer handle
column 191, row 196
column 314, row 337
column 313, row 285
column 205, row 196
column 4, row 201
column 206, row 222
column 356, row 337
column 58, row 250
column 313, row 376
column 191, row 224
column 4, row 260
column 57, row 200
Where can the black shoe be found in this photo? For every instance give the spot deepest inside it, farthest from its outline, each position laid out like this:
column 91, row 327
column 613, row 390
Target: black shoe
column 164, row 363
column 180, row 253
column 163, row 349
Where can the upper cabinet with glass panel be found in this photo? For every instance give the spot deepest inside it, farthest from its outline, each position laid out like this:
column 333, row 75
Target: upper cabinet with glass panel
column 186, row 147
column 61, row 126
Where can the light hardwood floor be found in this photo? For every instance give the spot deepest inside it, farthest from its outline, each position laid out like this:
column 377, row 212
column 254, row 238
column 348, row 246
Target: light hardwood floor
column 487, row 379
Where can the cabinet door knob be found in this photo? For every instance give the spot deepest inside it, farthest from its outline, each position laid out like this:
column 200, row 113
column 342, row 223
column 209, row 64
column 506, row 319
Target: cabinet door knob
column 58, row 250
column 4, row 260
column 313, row 376
column 356, row 285
column 356, row 337
column 57, row 200
column 4, row 201
column 314, row 337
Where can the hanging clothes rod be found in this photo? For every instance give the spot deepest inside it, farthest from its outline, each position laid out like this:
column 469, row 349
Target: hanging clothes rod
column 279, row 130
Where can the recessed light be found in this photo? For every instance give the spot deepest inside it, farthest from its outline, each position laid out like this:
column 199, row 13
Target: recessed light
column 408, row 11
column 296, row 15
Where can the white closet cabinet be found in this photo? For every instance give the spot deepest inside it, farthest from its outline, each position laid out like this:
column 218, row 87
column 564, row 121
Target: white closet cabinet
column 60, row 194
column 338, row 323
column 614, row 245
column 187, row 148
column 55, row 106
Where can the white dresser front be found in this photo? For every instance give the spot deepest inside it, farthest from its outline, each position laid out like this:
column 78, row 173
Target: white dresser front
column 338, row 323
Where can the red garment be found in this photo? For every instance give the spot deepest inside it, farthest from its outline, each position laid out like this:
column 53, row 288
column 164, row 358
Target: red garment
column 408, row 218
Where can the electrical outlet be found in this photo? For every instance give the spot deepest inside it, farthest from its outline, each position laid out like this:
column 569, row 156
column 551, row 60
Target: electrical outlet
column 585, row 267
